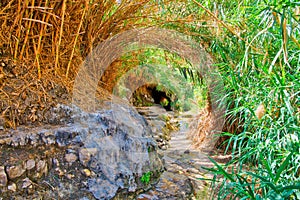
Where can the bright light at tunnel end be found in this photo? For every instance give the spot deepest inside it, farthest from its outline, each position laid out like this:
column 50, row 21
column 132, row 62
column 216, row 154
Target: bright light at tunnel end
column 105, row 53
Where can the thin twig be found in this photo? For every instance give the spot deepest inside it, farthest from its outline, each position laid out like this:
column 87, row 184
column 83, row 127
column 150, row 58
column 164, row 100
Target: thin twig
column 76, row 38
column 60, row 36
column 39, row 7
column 36, row 20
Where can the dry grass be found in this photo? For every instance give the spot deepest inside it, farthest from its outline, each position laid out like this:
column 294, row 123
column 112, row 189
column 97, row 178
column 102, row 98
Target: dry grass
column 201, row 128
column 62, row 33
column 43, row 43
column 202, row 131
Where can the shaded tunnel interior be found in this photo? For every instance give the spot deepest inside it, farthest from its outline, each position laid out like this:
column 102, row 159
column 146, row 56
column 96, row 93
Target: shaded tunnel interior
column 150, row 94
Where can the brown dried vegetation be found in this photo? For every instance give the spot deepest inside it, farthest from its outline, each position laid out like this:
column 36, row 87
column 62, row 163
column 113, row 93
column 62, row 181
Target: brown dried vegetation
column 44, row 42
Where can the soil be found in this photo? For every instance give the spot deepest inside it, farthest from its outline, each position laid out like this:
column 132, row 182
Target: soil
column 26, row 99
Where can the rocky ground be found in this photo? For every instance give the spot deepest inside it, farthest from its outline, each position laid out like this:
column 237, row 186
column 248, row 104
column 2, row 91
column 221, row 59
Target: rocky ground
column 110, row 154
column 184, row 174
column 101, row 155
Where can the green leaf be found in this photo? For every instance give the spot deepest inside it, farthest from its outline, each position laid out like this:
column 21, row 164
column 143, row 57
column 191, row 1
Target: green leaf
column 265, row 181
column 221, row 170
column 282, row 167
column 243, row 181
column 266, row 165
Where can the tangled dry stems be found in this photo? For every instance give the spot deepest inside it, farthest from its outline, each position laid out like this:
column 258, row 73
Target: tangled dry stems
column 48, row 40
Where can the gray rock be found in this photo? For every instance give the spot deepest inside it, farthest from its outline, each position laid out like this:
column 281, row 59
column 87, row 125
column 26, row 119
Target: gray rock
column 41, row 168
column 85, row 155
column 5, row 140
column 26, row 183
column 70, row 157
column 151, row 195
column 15, row 171
column 171, row 186
column 3, row 176
column 30, row 164
column 48, row 137
column 115, row 148
column 102, row 189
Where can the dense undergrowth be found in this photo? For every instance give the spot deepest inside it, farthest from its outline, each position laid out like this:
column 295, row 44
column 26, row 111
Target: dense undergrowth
column 258, row 54
column 254, row 43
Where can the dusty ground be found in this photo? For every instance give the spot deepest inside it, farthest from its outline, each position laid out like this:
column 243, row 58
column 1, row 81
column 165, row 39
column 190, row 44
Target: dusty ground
column 25, row 99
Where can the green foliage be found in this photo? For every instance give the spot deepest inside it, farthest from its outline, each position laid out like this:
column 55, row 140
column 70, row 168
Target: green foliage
column 256, row 45
column 256, row 184
column 173, row 74
column 146, row 177
column 164, row 102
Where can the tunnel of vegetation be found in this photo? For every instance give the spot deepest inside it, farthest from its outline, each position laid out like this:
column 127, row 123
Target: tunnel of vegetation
column 151, row 94
column 255, row 45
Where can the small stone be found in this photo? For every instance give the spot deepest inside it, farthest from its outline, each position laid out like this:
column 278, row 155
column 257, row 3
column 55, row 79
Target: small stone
column 85, row 155
column 12, row 187
column 26, row 183
column 60, row 172
column 156, row 137
column 41, row 165
column 70, row 157
column 187, row 151
column 30, row 164
column 86, row 172
column 70, row 176
column 164, row 147
column 30, row 190
column 192, row 170
column 15, row 171
column 48, row 138
column 55, row 162
column 5, row 141
column 147, row 196
column 3, row 176
column 71, row 151
column 41, row 168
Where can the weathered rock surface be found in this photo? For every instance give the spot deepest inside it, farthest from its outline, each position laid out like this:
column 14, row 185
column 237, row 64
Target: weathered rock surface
column 100, row 155
column 110, row 154
column 15, row 171
column 3, row 177
column 161, row 123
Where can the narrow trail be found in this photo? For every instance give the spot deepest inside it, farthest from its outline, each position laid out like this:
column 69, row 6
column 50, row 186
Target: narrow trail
column 183, row 162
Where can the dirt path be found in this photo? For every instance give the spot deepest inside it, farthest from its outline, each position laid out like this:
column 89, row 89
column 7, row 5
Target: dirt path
column 184, row 166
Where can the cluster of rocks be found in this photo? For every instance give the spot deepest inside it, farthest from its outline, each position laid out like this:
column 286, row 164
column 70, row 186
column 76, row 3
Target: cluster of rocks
column 102, row 155
column 95, row 156
column 21, row 176
column 181, row 180
column 163, row 137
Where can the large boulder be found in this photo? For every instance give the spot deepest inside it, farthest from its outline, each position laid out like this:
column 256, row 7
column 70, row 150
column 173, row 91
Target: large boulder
column 97, row 155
